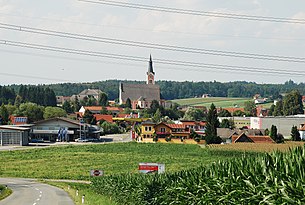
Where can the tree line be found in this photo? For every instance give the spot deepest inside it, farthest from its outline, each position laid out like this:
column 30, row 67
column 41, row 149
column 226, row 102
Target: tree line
column 178, row 90
column 40, row 95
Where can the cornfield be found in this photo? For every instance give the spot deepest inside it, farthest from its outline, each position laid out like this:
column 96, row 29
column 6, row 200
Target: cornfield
column 276, row 178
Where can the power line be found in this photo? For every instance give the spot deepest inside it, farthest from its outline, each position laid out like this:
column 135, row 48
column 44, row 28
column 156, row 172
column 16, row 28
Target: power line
column 153, row 45
column 157, row 31
column 190, row 65
column 31, row 76
column 196, row 12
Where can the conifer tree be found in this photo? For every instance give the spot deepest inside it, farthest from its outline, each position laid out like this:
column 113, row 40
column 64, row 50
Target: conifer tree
column 211, row 126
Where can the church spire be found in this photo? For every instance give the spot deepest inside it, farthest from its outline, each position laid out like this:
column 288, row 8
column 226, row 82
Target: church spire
column 150, row 66
column 150, row 73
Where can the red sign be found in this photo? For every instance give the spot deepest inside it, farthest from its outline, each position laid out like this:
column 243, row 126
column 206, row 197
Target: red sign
column 96, row 173
column 151, row 168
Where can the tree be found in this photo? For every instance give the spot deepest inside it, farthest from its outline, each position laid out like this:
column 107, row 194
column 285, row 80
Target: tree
column 157, row 116
column 226, row 123
column 224, row 113
column 4, row 115
column 30, row 110
column 194, row 114
column 76, row 104
column 292, row 103
column 250, row 108
column 128, row 103
column 211, row 126
column 295, row 135
column 103, row 99
column 239, row 113
column 67, row 106
column 273, row 132
column 52, row 112
column 278, row 109
column 110, row 128
column 18, row 101
column 277, row 137
column 88, row 117
column 194, row 135
column 271, row 110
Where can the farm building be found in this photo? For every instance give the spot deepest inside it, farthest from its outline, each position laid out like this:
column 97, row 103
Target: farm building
column 283, row 124
column 14, row 135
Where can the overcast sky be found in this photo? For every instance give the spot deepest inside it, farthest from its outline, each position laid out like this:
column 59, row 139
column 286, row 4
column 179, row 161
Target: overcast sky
column 29, row 66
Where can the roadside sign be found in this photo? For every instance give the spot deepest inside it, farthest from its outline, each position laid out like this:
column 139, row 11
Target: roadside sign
column 151, row 168
column 96, row 172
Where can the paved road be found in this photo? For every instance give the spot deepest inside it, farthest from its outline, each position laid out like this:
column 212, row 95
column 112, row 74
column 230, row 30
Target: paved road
column 30, row 192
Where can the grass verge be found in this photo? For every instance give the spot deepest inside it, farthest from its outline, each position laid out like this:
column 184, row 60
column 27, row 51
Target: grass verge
column 91, row 198
column 4, row 192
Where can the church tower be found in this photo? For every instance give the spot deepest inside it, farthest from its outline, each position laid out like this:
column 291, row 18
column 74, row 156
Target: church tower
column 150, row 73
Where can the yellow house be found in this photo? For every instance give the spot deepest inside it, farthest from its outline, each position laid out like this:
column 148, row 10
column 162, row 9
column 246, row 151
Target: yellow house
column 147, row 129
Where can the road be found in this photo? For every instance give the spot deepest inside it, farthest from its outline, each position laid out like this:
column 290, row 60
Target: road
column 30, row 192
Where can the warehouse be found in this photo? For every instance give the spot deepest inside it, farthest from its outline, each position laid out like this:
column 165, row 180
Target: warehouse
column 13, row 135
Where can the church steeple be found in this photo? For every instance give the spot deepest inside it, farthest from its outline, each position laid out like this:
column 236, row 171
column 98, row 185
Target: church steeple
column 150, row 72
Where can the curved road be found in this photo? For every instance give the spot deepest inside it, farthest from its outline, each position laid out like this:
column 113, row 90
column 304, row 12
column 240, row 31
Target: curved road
column 30, row 192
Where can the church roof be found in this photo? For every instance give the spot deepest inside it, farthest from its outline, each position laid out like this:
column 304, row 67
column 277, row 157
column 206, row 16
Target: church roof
column 134, row 91
column 150, row 66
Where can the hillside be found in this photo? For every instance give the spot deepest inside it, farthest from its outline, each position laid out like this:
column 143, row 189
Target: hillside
column 218, row 102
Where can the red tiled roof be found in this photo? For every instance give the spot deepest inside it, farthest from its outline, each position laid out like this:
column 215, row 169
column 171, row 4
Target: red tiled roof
column 202, row 123
column 233, row 109
column 175, row 126
column 261, row 139
column 107, row 118
column 188, row 123
column 255, row 139
column 114, row 108
column 96, row 108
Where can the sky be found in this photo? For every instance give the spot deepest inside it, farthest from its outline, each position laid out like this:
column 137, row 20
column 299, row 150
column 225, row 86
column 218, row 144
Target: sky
column 24, row 65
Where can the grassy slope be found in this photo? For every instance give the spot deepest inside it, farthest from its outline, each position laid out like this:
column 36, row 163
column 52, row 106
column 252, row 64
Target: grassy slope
column 74, row 162
column 218, row 101
column 91, row 197
column 4, row 192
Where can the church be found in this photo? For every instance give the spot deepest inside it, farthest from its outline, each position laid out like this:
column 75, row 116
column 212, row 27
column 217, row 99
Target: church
column 141, row 95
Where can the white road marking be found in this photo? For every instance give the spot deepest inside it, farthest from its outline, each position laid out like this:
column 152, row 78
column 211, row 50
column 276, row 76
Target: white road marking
column 41, row 192
column 37, row 189
column 34, row 204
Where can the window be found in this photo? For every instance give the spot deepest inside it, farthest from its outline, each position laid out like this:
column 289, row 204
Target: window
column 149, row 128
column 146, row 129
column 162, row 129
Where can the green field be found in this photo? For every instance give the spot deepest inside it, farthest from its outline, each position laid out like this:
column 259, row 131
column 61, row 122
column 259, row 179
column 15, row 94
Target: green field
column 276, row 178
column 218, row 102
column 74, row 162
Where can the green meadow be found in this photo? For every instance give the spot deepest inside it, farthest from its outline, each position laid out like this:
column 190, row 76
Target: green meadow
column 74, row 162
column 218, row 101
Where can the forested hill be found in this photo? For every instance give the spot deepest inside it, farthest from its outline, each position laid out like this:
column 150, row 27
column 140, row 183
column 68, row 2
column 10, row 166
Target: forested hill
column 177, row 90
